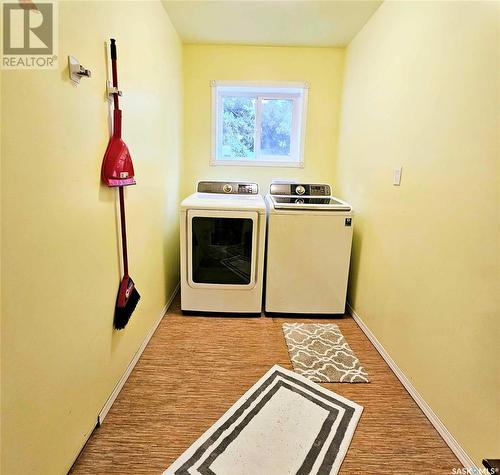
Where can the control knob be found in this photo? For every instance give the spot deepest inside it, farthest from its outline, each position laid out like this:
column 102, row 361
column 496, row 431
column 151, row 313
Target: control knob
column 300, row 190
column 227, row 188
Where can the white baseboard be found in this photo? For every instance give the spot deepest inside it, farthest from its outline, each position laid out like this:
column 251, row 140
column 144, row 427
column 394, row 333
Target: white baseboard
column 455, row 447
column 135, row 359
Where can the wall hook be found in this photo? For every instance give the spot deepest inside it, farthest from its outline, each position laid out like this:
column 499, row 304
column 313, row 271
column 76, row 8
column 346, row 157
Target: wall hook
column 112, row 90
column 76, row 70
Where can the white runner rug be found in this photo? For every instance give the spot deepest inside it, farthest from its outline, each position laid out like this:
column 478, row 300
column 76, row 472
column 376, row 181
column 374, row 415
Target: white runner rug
column 284, row 424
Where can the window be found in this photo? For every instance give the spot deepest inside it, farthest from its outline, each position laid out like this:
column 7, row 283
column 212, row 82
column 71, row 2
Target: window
column 258, row 124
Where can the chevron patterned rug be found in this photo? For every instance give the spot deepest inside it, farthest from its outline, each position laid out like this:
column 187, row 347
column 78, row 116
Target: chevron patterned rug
column 321, row 353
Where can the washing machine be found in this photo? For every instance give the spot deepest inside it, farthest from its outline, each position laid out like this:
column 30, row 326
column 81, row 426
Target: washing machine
column 309, row 240
column 222, row 237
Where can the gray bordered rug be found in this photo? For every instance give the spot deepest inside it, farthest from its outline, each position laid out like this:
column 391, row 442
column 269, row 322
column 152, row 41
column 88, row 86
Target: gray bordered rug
column 320, row 352
column 284, row 424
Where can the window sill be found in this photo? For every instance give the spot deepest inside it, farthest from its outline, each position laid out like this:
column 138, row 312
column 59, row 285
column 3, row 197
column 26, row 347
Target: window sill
column 256, row 163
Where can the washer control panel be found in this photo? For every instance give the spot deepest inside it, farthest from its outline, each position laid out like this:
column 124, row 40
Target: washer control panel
column 300, row 189
column 228, row 187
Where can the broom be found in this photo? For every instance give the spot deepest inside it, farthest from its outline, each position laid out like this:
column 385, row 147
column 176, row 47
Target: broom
column 117, row 170
column 128, row 297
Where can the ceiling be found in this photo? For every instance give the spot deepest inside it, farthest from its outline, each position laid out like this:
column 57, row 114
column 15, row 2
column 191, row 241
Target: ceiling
column 263, row 22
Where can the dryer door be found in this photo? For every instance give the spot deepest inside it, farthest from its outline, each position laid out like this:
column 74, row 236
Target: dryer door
column 222, row 248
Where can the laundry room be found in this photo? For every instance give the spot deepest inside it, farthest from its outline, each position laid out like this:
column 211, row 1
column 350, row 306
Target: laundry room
column 250, row 237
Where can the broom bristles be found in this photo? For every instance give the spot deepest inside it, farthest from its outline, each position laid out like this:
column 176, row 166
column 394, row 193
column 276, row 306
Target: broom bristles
column 123, row 314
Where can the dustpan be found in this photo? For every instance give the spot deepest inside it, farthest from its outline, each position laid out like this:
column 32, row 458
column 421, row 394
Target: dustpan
column 117, row 168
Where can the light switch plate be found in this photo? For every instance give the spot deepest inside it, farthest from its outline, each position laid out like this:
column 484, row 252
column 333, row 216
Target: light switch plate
column 397, row 176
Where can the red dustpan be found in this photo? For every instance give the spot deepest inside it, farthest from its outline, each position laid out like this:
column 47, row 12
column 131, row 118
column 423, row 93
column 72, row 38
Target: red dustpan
column 117, row 170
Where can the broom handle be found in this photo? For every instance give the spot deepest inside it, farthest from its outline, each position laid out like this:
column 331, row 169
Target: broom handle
column 120, row 188
column 124, row 232
column 114, row 72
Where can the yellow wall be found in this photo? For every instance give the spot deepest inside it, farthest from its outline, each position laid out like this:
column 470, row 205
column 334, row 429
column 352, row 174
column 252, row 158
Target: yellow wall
column 321, row 67
column 421, row 90
column 1, row 227
column 61, row 358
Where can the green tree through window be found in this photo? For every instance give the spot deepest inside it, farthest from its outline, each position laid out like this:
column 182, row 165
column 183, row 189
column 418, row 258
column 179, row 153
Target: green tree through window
column 238, row 127
column 276, row 126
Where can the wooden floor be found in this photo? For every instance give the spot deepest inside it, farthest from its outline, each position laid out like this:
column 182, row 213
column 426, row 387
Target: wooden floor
column 195, row 368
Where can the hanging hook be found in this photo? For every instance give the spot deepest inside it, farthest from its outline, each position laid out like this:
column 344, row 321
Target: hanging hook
column 76, row 70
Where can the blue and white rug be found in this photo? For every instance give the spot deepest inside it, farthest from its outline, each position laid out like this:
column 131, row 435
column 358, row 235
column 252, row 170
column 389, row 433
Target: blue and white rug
column 284, row 424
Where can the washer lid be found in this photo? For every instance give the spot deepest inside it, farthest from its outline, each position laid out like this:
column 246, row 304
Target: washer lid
column 327, row 203
column 223, row 202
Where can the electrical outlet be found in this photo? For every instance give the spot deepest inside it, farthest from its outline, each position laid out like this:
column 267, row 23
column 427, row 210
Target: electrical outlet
column 397, row 176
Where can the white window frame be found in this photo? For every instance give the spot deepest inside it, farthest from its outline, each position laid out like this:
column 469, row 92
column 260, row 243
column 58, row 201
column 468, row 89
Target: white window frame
column 296, row 91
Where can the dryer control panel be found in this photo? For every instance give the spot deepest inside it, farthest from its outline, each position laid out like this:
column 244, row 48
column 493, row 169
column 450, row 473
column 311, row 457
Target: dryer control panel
column 228, row 187
column 300, row 189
